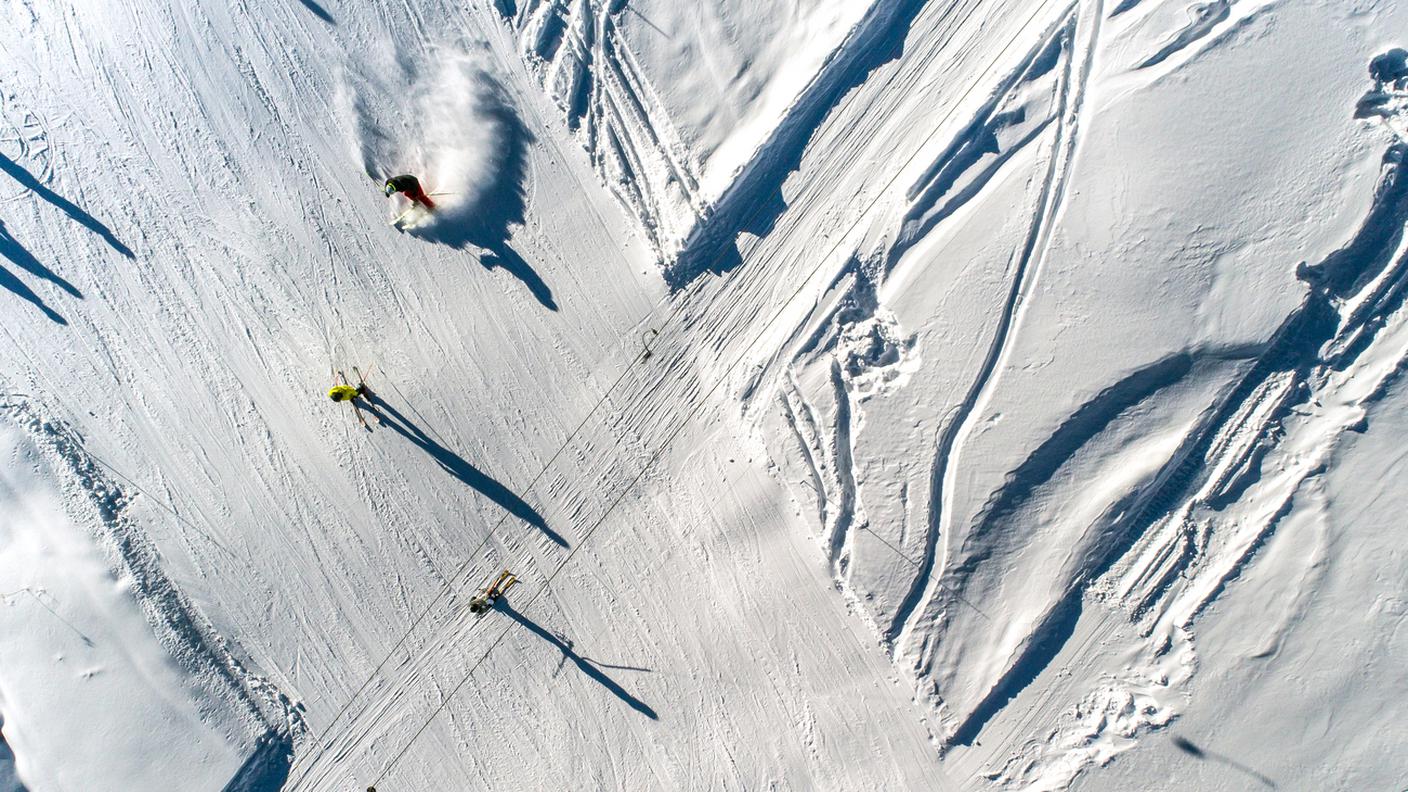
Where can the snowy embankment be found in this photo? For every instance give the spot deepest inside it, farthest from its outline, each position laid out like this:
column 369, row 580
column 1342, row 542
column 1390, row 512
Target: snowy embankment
column 869, row 395
column 89, row 690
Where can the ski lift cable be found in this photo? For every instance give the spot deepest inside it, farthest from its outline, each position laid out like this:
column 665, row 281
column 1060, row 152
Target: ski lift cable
column 674, row 313
column 542, row 589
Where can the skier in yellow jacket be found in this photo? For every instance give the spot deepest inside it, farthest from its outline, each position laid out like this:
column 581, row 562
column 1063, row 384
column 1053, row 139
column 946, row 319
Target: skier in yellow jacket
column 341, row 391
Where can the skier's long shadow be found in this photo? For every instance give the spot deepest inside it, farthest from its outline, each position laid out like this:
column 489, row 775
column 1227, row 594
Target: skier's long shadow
column 84, row 219
column 461, row 469
column 587, row 666
column 14, row 284
column 11, row 249
column 499, row 254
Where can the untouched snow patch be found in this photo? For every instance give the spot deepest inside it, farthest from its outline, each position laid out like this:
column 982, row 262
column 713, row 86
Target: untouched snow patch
column 111, row 677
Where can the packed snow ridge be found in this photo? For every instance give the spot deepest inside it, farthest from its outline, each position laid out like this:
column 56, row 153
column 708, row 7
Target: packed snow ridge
column 900, row 394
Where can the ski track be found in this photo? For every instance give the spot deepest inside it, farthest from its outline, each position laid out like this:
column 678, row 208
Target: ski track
column 951, row 440
column 582, row 63
column 1168, row 540
column 918, row 611
column 1177, row 551
column 911, row 629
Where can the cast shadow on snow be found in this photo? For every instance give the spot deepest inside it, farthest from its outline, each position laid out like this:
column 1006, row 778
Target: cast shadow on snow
column 79, row 216
column 16, row 254
column 1057, row 626
column 1295, row 348
column 587, row 666
column 754, row 202
column 1187, row 746
column 8, row 779
column 318, row 11
column 460, row 468
column 267, row 768
column 501, row 205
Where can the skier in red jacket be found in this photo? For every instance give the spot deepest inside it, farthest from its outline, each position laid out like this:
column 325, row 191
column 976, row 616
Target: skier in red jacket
column 409, row 186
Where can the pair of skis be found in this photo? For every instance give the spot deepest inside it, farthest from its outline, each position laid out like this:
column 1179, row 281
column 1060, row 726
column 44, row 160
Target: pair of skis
column 490, row 594
column 396, row 222
column 339, row 378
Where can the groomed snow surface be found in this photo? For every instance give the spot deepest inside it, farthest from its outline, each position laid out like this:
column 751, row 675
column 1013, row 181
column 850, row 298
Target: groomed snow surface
column 869, row 395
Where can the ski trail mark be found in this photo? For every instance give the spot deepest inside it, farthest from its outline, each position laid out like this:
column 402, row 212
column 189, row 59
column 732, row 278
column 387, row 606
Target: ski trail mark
column 1025, row 269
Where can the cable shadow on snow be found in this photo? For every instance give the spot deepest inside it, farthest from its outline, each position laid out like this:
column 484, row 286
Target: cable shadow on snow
column 79, row 216
column 460, row 468
column 587, row 666
column 485, row 220
column 16, row 254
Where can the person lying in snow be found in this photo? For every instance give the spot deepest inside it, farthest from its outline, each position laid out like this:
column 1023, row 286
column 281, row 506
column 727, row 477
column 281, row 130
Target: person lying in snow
column 490, row 594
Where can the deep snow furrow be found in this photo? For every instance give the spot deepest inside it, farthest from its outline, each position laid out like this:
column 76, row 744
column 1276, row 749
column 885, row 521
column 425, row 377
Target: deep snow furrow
column 977, row 154
column 924, row 586
column 840, row 532
column 646, row 111
column 801, row 419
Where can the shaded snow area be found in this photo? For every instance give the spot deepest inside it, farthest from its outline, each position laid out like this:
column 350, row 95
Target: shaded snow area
column 866, row 394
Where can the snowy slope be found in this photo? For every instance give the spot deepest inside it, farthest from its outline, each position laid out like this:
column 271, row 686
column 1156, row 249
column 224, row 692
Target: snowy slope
column 869, row 395
column 86, row 677
column 690, row 111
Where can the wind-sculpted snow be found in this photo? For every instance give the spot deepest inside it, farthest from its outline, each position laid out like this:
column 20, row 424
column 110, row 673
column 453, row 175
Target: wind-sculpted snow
column 1013, row 591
